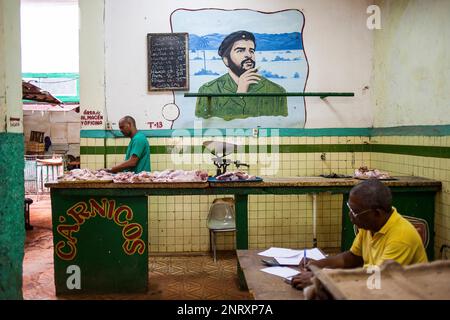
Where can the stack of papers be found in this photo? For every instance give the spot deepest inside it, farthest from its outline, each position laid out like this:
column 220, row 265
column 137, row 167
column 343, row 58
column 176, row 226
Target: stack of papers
column 284, row 272
column 289, row 257
column 279, row 252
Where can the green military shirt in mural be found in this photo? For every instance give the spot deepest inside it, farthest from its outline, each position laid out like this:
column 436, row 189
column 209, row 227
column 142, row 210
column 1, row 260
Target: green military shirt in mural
column 139, row 146
column 229, row 108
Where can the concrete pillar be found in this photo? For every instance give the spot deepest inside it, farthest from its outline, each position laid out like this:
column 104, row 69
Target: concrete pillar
column 92, row 68
column 12, row 232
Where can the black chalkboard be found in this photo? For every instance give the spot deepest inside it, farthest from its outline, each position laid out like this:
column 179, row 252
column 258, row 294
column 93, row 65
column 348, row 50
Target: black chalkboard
column 168, row 61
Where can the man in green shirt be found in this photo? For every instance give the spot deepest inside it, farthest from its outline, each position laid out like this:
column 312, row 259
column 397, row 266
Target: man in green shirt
column 137, row 158
column 238, row 54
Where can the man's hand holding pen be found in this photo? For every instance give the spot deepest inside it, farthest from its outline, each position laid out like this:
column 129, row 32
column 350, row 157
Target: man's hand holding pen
column 303, row 279
column 304, row 264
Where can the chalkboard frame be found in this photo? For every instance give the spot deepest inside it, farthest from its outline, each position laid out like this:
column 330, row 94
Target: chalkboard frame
column 149, row 60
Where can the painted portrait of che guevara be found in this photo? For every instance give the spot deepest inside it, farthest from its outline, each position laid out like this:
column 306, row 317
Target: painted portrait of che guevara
column 237, row 51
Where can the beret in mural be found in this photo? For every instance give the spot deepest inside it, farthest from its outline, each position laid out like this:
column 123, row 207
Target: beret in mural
column 232, row 38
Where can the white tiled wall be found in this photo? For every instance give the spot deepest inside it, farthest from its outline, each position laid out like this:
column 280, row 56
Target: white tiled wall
column 178, row 223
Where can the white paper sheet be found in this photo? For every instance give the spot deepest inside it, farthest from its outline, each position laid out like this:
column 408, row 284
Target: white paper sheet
column 279, row 252
column 290, row 261
column 284, row 272
column 314, row 253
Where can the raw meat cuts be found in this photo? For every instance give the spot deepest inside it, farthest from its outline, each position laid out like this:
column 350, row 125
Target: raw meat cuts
column 162, row 176
column 86, row 175
column 365, row 173
column 235, row 176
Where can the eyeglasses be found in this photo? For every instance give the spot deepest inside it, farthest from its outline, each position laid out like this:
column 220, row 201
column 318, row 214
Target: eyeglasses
column 356, row 214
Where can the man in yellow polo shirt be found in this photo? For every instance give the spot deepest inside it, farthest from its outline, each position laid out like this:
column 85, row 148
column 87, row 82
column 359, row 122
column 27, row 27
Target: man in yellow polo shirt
column 383, row 234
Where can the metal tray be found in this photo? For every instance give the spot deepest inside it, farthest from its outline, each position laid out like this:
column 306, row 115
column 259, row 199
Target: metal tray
column 382, row 179
column 213, row 179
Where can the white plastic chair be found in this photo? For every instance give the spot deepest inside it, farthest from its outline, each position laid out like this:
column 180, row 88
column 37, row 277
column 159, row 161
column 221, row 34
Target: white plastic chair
column 221, row 218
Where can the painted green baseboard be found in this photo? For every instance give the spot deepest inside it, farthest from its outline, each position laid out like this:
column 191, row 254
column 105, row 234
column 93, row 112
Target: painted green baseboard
column 12, row 222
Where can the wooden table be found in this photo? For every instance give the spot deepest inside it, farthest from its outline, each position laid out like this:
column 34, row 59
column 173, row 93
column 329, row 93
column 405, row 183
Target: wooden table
column 103, row 227
column 262, row 285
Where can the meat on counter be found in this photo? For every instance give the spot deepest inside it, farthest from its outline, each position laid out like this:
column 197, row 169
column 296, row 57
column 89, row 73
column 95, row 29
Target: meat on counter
column 365, row 173
column 86, row 175
column 162, row 176
column 235, row 176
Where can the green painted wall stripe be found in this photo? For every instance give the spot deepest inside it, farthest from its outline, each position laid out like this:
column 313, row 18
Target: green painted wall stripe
column 263, row 132
column 300, row 148
column 441, row 130
column 98, row 134
column 324, row 132
column 423, row 151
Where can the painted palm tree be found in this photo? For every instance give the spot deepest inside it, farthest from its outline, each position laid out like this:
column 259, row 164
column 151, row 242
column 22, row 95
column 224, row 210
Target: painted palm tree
column 204, row 45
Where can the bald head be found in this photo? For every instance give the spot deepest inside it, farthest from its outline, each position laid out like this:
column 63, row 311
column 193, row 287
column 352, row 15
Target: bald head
column 127, row 126
column 130, row 120
column 374, row 195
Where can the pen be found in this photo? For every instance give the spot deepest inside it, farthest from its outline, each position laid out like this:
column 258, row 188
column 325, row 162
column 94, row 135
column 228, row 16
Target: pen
column 304, row 258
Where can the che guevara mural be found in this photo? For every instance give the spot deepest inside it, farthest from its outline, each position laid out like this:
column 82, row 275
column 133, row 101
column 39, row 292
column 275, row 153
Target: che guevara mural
column 243, row 51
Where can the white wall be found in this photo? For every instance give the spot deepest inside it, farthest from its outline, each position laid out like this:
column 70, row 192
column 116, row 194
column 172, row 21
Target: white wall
column 10, row 77
column 339, row 50
column 412, row 64
column 92, row 57
column 337, row 43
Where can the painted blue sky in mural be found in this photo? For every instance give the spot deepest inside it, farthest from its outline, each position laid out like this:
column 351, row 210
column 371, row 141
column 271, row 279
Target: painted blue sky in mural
column 265, row 42
column 279, row 57
column 226, row 21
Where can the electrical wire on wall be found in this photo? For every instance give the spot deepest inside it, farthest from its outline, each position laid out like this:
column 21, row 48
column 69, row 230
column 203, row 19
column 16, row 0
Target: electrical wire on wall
column 171, row 111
